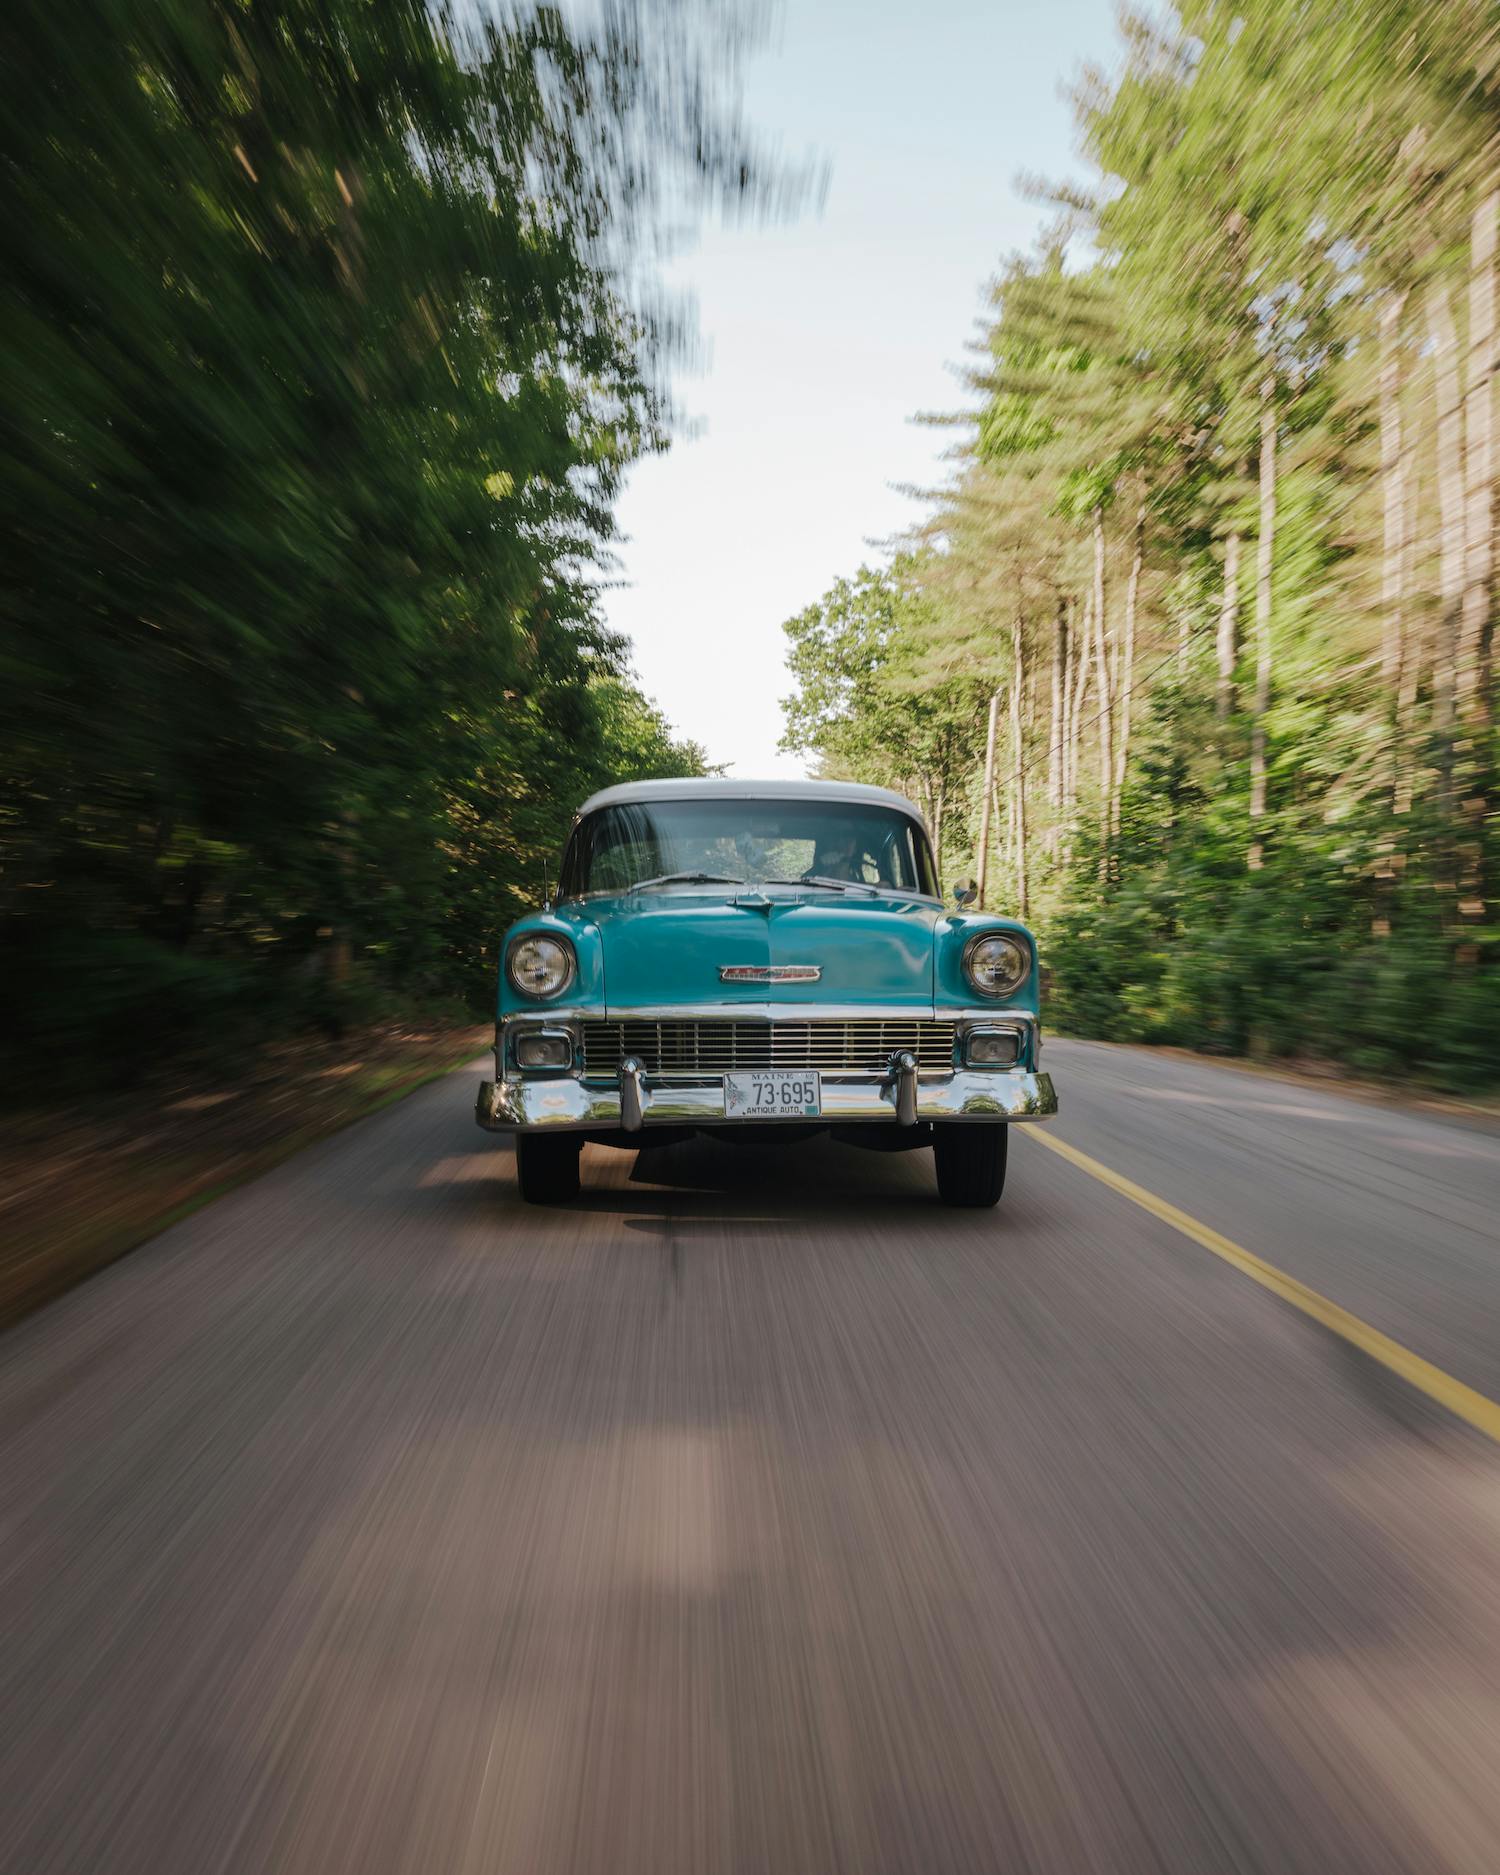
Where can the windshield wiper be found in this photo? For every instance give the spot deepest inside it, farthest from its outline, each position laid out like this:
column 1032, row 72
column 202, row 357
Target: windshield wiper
column 685, row 878
column 828, row 885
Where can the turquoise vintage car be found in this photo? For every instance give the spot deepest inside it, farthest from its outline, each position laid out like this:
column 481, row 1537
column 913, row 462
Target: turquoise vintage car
column 762, row 960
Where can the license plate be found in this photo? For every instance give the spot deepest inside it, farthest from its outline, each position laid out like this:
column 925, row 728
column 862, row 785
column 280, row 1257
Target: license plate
column 773, row 1094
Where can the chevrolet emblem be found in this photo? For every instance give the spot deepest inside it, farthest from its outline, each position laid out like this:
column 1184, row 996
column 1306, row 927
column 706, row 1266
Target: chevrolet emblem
column 770, row 973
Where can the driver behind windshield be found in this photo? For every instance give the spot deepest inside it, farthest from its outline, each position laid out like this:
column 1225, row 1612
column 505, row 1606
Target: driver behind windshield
column 838, row 856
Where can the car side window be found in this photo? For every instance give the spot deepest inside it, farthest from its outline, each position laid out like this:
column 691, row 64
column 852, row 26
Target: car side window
column 624, row 848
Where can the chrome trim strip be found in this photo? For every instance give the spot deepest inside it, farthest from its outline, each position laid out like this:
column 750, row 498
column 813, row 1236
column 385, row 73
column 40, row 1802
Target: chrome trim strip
column 983, row 1097
column 691, row 1077
column 785, row 894
column 969, row 1018
column 722, row 1010
column 548, row 1014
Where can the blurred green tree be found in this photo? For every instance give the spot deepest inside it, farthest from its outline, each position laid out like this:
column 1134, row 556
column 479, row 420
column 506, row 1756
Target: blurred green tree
column 1222, row 531
column 325, row 350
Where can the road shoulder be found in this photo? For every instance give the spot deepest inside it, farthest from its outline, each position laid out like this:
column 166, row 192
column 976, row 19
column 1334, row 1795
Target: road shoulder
column 86, row 1184
column 1326, row 1078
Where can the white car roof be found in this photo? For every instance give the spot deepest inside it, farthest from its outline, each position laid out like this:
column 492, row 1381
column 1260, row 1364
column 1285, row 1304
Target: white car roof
column 728, row 788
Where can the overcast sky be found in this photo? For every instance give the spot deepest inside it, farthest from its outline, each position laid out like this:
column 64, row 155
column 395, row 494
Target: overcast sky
column 823, row 337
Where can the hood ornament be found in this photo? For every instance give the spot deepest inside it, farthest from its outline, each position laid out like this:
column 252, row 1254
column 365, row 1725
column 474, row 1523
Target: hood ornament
column 770, row 973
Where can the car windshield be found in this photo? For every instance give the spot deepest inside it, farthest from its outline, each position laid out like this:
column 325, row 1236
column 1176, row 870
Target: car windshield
column 833, row 842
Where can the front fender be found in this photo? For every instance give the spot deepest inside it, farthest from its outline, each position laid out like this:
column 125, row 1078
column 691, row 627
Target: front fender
column 586, row 991
column 952, row 990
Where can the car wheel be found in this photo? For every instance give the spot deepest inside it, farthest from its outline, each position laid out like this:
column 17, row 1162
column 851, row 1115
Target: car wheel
column 970, row 1164
column 547, row 1166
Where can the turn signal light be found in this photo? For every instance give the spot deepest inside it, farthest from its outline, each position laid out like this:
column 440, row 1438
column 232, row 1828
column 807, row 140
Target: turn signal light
column 544, row 1051
column 993, row 1048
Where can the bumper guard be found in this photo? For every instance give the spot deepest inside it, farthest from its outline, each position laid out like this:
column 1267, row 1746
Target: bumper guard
column 634, row 1103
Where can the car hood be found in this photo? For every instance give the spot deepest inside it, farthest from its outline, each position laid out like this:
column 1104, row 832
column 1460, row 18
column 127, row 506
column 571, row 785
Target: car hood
column 668, row 947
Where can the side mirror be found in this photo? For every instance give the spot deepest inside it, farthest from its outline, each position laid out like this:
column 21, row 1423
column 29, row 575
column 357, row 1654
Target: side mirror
column 966, row 891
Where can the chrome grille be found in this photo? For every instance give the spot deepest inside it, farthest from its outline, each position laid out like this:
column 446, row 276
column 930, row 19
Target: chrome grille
column 689, row 1049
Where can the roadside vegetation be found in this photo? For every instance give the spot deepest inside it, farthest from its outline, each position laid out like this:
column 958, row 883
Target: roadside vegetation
column 1193, row 660
column 82, row 1182
column 327, row 334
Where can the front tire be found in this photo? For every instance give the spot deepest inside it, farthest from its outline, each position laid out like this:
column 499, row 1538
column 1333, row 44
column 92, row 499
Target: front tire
column 970, row 1162
column 547, row 1166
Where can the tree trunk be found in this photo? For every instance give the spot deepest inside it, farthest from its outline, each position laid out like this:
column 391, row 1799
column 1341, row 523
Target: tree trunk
column 339, row 956
column 1413, row 657
column 984, row 805
column 1055, row 720
column 1393, row 650
column 1106, row 697
column 937, row 834
column 1069, row 654
column 1265, row 560
column 1127, row 662
column 1477, row 616
column 1450, row 480
column 1393, row 488
column 1018, row 759
column 932, row 816
column 1226, row 645
column 1085, row 677
column 1476, row 621
column 1082, row 652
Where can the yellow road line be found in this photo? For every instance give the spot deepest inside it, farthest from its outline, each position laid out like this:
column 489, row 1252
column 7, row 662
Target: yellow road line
column 1477, row 1409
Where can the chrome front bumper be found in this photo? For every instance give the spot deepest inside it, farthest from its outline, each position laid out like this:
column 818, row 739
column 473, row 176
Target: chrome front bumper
column 992, row 1094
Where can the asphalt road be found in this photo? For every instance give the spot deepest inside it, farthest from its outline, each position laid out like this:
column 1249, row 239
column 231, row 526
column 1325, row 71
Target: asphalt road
column 754, row 1514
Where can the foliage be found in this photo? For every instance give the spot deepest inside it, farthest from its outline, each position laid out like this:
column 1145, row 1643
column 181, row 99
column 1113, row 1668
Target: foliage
column 321, row 374
column 863, row 703
column 1221, row 541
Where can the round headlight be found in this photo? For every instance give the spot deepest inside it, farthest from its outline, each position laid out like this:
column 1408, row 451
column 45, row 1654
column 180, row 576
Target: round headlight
column 540, row 966
column 996, row 965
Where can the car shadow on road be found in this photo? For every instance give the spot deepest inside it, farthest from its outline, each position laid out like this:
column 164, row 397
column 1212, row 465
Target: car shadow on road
column 763, row 1183
column 820, row 1186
